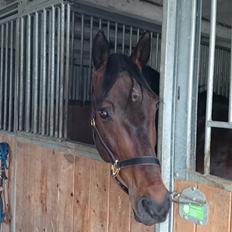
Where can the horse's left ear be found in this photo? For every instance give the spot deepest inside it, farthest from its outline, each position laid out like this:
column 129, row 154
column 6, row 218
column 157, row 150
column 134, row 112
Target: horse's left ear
column 141, row 53
column 101, row 50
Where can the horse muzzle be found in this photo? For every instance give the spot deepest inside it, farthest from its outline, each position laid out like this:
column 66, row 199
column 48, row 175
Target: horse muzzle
column 148, row 212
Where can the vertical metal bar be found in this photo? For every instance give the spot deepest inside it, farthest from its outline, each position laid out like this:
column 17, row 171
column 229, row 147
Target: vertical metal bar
column 90, row 52
column 67, row 71
column 229, row 91
column 1, row 75
column 43, row 71
column 6, row 77
column 21, row 75
column 123, row 38
column 35, row 74
column 167, row 83
column 115, row 37
column 52, row 71
column 16, row 105
column 49, row 67
column 108, row 30
column 151, row 49
column 61, row 107
column 57, row 74
column 195, row 83
column 10, row 107
column 157, row 51
column 71, row 81
column 28, row 75
column 81, row 77
column 210, row 85
column 131, row 38
column 138, row 34
column 191, row 78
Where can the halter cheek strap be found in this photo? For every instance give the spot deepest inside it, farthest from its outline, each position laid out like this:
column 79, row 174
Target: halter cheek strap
column 117, row 165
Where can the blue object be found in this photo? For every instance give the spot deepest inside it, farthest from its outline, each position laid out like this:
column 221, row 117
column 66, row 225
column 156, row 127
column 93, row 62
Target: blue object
column 4, row 148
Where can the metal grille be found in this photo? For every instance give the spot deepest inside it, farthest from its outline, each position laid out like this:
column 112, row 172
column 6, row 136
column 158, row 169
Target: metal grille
column 123, row 38
column 34, row 60
column 218, row 61
column 221, row 70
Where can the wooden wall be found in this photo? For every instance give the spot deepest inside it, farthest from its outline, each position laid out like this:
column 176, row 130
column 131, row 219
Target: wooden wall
column 220, row 205
column 58, row 190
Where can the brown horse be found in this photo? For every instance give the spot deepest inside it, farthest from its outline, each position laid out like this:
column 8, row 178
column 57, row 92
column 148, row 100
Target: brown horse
column 123, row 120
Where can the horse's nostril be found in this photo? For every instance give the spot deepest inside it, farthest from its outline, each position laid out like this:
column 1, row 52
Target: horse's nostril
column 146, row 207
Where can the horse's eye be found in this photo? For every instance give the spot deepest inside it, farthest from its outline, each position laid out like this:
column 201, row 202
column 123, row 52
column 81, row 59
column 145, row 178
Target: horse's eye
column 104, row 114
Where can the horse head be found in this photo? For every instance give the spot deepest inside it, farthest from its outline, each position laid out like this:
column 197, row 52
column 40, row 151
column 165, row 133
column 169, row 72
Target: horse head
column 124, row 112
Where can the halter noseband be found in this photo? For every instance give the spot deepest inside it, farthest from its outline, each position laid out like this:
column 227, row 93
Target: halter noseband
column 117, row 165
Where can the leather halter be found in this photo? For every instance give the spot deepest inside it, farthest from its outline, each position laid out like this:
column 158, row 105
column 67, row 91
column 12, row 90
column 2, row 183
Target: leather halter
column 117, row 165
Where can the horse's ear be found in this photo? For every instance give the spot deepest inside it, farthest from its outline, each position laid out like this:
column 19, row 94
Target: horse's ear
column 141, row 53
column 101, row 50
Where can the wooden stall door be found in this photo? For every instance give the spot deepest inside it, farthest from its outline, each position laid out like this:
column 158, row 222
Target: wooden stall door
column 219, row 202
column 58, row 190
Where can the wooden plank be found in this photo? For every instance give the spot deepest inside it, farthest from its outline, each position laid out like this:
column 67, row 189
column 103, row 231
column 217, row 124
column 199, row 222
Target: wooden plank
column 180, row 224
column 119, row 209
column 65, row 192
column 99, row 198
column 81, row 209
column 219, row 202
column 52, row 190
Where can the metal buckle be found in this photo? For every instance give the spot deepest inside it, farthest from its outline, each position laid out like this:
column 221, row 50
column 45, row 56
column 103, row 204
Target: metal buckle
column 114, row 169
column 92, row 122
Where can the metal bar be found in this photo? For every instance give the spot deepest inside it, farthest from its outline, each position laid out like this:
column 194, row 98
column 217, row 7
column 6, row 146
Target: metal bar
column 81, row 76
column 151, row 49
column 61, row 64
column 16, row 94
column 157, row 51
column 28, row 75
column 191, row 79
column 6, row 77
column 108, row 30
column 219, row 124
column 52, row 72
column 230, row 78
column 35, row 74
column 90, row 51
column 138, row 34
column 57, row 74
column 71, row 82
column 10, row 107
column 43, row 71
column 131, row 40
column 167, row 83
column 210, row 85
column 21, row 76
column 1, row 75
column 66, row 87
column 49, row 55
column 123, row 38
column 116, row 37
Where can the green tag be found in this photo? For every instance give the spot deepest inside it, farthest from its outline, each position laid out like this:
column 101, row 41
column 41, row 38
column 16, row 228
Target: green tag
column 196, row 212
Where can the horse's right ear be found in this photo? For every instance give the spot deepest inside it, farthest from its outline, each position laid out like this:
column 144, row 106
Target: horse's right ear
column 101, row 50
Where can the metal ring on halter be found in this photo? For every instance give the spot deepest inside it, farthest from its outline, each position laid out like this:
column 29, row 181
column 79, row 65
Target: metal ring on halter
column 115, row 169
